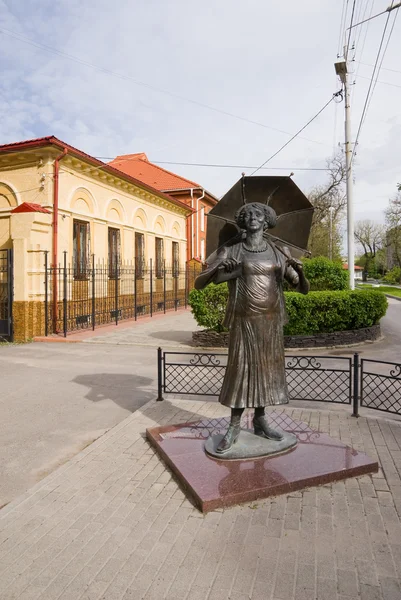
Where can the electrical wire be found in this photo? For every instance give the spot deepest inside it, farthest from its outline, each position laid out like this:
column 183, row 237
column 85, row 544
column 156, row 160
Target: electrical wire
column 381, row 61
column 221, row 166
column 364, row 111
column 350, row 30
column 342, row 25
column 337, row 94
column 382, row 82
column 383, row 68
column 362, row 50
column 12, row 195
column 85, row 63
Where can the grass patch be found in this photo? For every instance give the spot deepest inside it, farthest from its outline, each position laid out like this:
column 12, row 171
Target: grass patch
column 390, row 290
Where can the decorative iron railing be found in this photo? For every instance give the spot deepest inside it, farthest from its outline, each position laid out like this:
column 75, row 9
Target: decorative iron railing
column 95, row 294
column 333, row 379
column 381, row 385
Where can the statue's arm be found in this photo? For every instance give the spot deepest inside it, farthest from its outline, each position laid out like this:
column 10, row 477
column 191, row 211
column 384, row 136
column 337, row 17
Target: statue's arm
column 222, row 268
column 207, row 276
column 294, row 274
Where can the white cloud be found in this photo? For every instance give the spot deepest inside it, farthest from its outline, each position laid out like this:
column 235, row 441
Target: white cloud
column 271, row 62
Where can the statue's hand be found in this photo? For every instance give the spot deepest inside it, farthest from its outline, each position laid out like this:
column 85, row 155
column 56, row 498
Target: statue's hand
column 229, row 265
column 295, row 264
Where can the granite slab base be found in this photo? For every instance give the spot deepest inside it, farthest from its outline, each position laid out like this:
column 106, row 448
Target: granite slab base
column 250, row 445
column 210, row 483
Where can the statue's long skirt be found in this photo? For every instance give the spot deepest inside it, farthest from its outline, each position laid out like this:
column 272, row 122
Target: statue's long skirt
column 255, row 374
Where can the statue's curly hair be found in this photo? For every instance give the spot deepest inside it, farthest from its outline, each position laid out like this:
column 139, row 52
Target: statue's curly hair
column 270, row 215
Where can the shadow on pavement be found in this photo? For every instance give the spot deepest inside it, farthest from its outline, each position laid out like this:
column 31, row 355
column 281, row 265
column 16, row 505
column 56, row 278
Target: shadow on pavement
column 128, row 391
column 183, row 337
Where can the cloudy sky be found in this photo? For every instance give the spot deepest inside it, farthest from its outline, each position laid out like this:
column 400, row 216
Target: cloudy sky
column 157, row 65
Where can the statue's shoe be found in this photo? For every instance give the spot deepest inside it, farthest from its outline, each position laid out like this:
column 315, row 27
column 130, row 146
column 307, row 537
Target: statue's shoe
column 230, row 438
column 262, row 429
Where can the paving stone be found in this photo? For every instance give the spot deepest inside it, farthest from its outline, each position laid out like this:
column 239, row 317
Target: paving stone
column 117, row 526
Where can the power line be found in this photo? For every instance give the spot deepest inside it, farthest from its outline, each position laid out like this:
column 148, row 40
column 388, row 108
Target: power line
column 364, row 111
column 383, row 82
column 383, row 68
column 337, row 94
column 382, row 58
column 106, row 71
column 350, row 30
column 12, row 195
column 342, row 25
column 221, row 166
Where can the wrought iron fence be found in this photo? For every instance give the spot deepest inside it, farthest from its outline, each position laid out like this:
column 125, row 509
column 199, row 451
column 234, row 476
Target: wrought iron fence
column 333, row 379
column 381, row 385
column 98, row 294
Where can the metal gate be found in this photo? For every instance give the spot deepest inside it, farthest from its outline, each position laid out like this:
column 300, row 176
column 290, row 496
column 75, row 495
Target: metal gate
column 6, row 295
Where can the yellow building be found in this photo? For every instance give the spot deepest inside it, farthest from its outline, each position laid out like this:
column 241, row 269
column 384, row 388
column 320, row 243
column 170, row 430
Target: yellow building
column 118, row 239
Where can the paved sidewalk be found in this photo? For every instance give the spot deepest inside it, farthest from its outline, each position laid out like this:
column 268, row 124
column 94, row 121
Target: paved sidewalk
column 112, row 524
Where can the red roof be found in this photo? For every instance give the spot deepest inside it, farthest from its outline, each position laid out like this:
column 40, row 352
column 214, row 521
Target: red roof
column 139, row 166
column 26, row 207
column 108, row 168
column 356, row 267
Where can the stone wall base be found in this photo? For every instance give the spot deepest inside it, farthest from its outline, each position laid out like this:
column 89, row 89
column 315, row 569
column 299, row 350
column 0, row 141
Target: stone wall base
column 29, row 320
column 211, row 339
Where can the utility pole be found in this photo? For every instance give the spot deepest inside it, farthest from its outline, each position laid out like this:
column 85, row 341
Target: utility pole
column 331, row 210
column 342, row 72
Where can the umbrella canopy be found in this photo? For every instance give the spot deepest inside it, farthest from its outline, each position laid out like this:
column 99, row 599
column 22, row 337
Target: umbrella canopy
column 294, row 212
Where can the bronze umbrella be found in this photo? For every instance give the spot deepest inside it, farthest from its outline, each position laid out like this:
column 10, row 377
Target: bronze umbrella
column 294, row 212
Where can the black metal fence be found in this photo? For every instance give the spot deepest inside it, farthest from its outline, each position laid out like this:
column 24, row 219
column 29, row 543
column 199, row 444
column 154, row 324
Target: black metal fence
column 87, row 297
column 333, row 379
column 6, row 295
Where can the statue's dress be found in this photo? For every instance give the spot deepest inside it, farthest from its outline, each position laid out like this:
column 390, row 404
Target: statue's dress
column 255, row 374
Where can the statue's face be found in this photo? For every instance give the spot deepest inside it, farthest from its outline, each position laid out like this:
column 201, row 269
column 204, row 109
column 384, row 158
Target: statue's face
column 254, row 218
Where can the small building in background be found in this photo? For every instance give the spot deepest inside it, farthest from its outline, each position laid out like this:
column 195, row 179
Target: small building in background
column 179, row 188
column 357, row 270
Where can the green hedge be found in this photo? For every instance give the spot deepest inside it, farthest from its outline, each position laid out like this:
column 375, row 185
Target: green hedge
column 325, row 274
column 324, row 312
column 317, row 312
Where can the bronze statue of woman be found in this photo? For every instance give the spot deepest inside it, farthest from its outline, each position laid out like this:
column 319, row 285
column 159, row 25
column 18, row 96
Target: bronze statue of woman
column 255, row 269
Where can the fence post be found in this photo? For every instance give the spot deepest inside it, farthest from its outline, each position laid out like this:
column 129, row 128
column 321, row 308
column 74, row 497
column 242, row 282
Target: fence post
column 355, row 399
column 93, row 293
column 175, row 284
column 159, row 375
column 164, row 286
column 135, row 289
column 151, row 289
column 46, row 294
column 116, row 291
column 186, row 284
column 65, row 306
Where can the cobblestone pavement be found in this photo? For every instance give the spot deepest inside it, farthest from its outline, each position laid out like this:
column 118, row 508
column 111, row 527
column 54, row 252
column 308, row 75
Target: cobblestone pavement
column 173, row 330
column 112, row 524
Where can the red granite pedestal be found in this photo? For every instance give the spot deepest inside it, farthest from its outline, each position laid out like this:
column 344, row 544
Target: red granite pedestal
column 211, row 483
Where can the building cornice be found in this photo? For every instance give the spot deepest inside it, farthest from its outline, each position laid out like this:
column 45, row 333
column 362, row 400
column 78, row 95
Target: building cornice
column 20, row 154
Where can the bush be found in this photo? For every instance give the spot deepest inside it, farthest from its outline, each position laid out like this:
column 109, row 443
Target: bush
column 393, row 276
column 325, row 274
column 324, row 312
column 317, row 312
column 209, row 306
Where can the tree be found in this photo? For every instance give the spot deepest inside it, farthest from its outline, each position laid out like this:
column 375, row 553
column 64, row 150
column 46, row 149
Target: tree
column 393, row 225
column 371, row 236
column 329, row 201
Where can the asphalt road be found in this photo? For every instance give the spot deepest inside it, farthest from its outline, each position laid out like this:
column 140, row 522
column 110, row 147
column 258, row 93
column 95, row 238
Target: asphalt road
column 57, row 398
